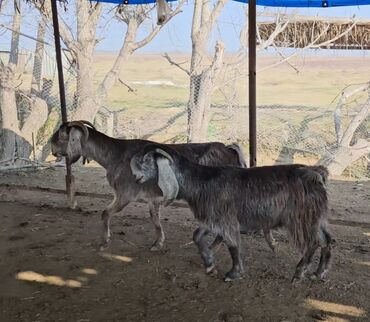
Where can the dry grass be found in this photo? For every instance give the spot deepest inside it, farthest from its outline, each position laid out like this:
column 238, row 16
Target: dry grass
column 319, row 80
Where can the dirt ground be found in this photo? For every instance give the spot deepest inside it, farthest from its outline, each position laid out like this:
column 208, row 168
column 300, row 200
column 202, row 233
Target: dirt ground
column 51, row 269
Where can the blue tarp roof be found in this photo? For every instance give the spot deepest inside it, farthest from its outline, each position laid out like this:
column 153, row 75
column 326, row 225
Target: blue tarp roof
column 273, row 3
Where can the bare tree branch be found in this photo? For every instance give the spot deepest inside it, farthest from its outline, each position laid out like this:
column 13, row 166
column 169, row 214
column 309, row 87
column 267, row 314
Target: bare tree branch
column 25, row 35
column 216, row 12
column 218, row 57
column 148, row 38
column 130, row 89
column 66, row 34
column 295, row 54
column 158, row 28
column 356, row 121
column 197, row 17
column 284, row 57
column 176, row 64
column 323, row 44
column 279, row 28
column 338, row 110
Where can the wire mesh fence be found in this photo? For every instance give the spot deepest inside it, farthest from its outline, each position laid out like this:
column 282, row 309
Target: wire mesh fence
column 151, row 99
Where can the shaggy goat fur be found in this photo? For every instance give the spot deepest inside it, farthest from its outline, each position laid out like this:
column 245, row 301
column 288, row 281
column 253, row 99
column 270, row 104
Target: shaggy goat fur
column 227, row 200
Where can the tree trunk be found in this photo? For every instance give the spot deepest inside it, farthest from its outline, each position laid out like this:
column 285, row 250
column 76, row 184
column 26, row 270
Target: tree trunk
column 345, row 153
column 87, row 106
column 8, row 106
column 201, row 90
column 344, row 156
column 202, row 77
column 16, row 142
column 45, row 133
column 14, row 48
column 38, row 58
column 198, row 107
column 88, row 15
column 112, row 76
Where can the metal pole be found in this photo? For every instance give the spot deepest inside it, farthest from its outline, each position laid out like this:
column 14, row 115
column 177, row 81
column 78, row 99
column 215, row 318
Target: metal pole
column 70, row 186
column 252, row 25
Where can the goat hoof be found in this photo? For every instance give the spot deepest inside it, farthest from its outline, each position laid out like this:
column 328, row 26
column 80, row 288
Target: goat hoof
column 296, row 280
column 273, row 249
column 104, row 245
column 313, row 277
column 211, row 270
column 318, row 276
column 103, row 248
column 156, row 247
column 232, row 276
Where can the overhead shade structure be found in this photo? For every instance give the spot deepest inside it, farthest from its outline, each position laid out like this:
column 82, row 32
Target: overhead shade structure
column 251, row 53
column 130, row 1
column 302, row 31
column 271, row 3
column 309, row 3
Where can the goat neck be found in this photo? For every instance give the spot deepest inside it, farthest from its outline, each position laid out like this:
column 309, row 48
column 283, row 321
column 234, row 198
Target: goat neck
column 192, row 178
column 100, row 148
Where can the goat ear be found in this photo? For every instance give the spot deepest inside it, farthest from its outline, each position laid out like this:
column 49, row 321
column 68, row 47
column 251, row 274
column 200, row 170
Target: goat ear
column 63, row 133
column 167, row 181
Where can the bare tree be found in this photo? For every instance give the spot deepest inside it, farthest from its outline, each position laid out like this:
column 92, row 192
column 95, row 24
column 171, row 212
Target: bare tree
column 90, row 97
column 348, row 148
column 133, row 17
column 16, row 133
column 204, row 75
column 81, row 46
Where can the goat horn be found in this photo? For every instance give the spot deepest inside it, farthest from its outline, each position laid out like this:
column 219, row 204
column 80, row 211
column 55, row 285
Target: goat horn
column 165, row 154
column 81, row 126
column 88, row 123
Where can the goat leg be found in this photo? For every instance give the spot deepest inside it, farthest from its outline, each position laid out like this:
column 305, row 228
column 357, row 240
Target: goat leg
column 216, row 243
column 204, row 250
column 237, row 268
column 325, row 258
column 155, row 216
column 116, row 206
column 267, row 233
column 304, row 263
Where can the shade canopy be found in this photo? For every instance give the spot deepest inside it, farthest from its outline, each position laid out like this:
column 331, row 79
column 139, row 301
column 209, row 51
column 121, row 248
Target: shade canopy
column 272, row 3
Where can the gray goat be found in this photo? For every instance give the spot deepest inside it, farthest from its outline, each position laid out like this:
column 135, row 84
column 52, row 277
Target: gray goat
column 80, row 138
column 226, row 200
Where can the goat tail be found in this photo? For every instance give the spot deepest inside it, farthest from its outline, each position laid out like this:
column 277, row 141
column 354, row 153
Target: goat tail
column 311, row 208
column 315, row 174
column 238, row 150
column 322, row 171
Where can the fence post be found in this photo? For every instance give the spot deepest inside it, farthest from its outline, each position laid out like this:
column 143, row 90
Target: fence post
column 70, row 182
column 252, row 25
